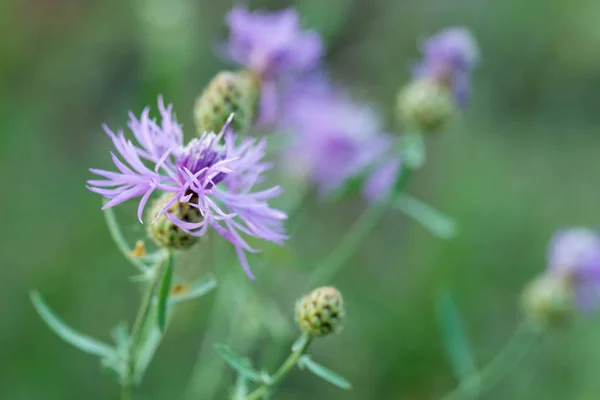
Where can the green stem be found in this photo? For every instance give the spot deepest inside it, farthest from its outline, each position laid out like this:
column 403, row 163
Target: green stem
column 526, row 336
column 140, row 321
column 281, row 373
column 119, row 239
column 358, row 233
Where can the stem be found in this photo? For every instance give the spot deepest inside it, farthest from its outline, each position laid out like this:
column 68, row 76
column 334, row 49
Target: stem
column 140, row 321
column 119, row 239
column 358, row 233
column 513, row 352
column 285, row 368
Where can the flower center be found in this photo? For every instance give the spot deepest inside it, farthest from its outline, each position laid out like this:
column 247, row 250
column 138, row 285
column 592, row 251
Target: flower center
column 202, row 153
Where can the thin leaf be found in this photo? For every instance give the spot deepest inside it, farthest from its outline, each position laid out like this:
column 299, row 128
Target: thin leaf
column 164, row 292
column 240, row 365
column 434, row 221
column 68, row 334
column 324, row 373
column 455, row 339
column 196, row 289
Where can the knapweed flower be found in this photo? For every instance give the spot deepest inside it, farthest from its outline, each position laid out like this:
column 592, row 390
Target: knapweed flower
column 211, row 174
column 449, row 57
column 574, row 255
column 572, row 278
column 334, row 138
column 272, row 45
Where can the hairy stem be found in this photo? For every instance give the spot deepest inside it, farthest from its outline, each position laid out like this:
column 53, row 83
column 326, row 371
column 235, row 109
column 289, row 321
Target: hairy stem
column 140, row 321
column 282, row 372
column 526, row 336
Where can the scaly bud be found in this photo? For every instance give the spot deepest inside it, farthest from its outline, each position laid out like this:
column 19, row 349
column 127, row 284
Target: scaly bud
column 167, row 234
column 228, row 92
column 426, row 106
column 549, row 300
column 320, row 312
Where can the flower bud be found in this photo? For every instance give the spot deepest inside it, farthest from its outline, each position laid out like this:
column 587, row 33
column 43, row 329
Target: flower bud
column 166, row 233
column 426, row 106
column 228, row 93
column 320, row 312
column 549, row 300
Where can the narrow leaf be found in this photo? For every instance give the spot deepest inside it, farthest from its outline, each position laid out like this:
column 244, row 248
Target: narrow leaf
column 146, row 352
column 192, row 291
column 164, row 292
column 240, row 365
column 434, row 221
column 68, row 334
column 324, row 373
column 455, row 339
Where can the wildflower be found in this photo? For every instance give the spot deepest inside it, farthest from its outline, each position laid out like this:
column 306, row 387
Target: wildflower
column 215, row 179
column 572, row 278
column 449, row 58
column 320, row 312
column 425, row 106
column 272, row 46
column 334, row 138
column 574, row 256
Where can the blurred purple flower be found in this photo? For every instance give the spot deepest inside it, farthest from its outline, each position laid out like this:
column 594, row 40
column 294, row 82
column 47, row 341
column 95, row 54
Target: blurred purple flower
column 574, row 254
column 272, row 45
column 193, row 172
column 449, row 57
column 382, row 178
column 335, row 139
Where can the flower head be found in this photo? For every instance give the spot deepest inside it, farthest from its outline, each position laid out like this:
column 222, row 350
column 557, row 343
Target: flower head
column 334, row 138
column 320, row 312
column 449, row 58
column 574, row 255
column 272, row 46
column 271, row 43
column 211, row 174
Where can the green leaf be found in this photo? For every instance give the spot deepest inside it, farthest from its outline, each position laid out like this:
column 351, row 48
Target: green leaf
column 455, row 339
column 240, row 365
column 146, row 352
column 68, row 334
column 196, row 289
column 433, row 220
column 324, row 373
column 163, row 294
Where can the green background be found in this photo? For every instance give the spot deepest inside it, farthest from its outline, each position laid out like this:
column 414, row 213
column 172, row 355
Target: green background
column 522, row 162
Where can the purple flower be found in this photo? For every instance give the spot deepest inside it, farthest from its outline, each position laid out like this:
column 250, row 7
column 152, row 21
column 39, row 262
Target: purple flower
column 334, row 138
column 382, row 178
column 449, row 57
column 272, row 45
column 574, row 254
column 215, row 178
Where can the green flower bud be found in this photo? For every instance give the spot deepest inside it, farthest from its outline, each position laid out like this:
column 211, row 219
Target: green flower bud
column 426, row 106
column 549, row 300
column 320, row 312
column 164, row 232
column 228, row 92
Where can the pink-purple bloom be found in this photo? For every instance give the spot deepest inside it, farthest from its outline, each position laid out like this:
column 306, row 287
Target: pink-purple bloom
column 335, row 138
column 449, row 57
column 274, row 46
column 574, row 254
column 212, row 173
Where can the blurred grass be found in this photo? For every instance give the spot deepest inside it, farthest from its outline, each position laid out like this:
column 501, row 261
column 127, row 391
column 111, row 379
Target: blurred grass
column 522, row 163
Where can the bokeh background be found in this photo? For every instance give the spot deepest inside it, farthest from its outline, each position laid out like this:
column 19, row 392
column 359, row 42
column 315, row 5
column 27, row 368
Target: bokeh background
column 522, row 162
